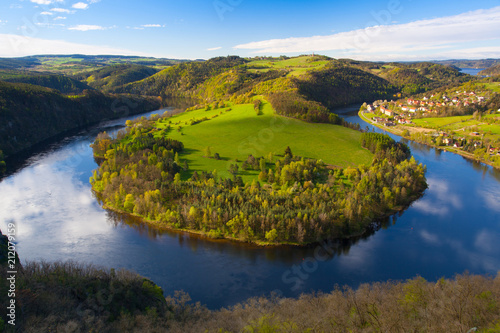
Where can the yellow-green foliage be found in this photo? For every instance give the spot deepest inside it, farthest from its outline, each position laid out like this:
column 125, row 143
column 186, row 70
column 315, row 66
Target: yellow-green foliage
column 276, row 85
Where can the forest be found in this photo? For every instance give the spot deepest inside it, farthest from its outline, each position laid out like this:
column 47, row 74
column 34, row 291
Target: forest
column 294, row 200
column 61, row 83
column 25, row 107
column 113, row 77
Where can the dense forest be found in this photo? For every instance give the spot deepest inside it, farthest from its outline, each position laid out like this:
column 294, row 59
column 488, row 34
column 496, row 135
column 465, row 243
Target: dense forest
column 176, row 80
column 30, row 114
column 343, row 85
column 491, row 71
column 61, row 83
column 295, row 200
column 113, row 77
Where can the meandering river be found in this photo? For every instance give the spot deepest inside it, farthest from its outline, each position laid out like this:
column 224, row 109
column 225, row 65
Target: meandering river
column 454, row 227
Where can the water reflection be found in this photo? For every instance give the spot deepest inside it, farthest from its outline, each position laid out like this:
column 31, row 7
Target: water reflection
column 283, row 254
column 440, row 199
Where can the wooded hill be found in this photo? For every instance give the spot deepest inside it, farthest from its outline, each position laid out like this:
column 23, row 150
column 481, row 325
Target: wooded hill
column 30, row 114
column 61, row 83
column 111, row 78
column 466, row 63
column 332, row 83
column 493, row 70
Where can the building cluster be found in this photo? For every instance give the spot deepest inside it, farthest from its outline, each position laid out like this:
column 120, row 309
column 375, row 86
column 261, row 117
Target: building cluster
column 402, row 112
column 433, row 103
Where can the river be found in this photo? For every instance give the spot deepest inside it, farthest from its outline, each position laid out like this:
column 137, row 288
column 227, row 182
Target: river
column 454, row 227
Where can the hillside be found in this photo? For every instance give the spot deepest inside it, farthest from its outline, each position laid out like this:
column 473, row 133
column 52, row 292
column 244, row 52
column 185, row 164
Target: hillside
column 305, row 79
column 31, row 114
column 113, row 77
column 467, row 63
column 180, row 80
column 491, row 71
column 336, row 86
column 61, row 83
column 79, row 63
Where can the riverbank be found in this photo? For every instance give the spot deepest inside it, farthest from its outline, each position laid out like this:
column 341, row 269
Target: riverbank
column 397, row 130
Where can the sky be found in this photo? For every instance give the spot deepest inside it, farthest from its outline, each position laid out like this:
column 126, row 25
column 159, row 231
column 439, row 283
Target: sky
column 381, row 30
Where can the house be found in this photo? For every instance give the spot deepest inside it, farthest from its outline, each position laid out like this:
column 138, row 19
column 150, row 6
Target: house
column 386, row 111
column 448, row 141
column 412, row 110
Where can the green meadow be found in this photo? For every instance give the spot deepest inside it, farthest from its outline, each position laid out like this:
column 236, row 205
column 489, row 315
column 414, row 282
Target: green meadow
column 297, row 66
column 236, row 132
column 434, row 123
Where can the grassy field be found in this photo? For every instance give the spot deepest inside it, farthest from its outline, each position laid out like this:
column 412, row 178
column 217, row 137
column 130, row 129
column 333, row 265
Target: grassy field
column 435, row 123
column 298, row 65
column 237, row 133
column 493, row 86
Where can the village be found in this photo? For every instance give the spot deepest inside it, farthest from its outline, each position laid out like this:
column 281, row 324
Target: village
column 405, row 111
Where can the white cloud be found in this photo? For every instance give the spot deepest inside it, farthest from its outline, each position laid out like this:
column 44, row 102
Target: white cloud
column 61, row 10
column 440, row 200
column 142, row 27
column 49, row 25
column 60, row 18
column 20, row 46
column 81, row 5
column 214, row 48
column 46, row 13
column 45, row 2
column 439, row 35
column 15, row 6
column 86, row 27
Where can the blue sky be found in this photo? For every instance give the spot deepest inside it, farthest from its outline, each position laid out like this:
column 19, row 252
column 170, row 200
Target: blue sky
column 366, row 30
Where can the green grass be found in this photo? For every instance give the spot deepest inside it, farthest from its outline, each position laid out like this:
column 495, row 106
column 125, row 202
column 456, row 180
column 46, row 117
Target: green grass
column 442, row 122
column 493, row 86
column 297, row 65
column 240, row 132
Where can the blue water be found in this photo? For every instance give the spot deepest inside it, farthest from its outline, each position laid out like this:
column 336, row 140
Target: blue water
column 471, row 71
column 454, row 227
